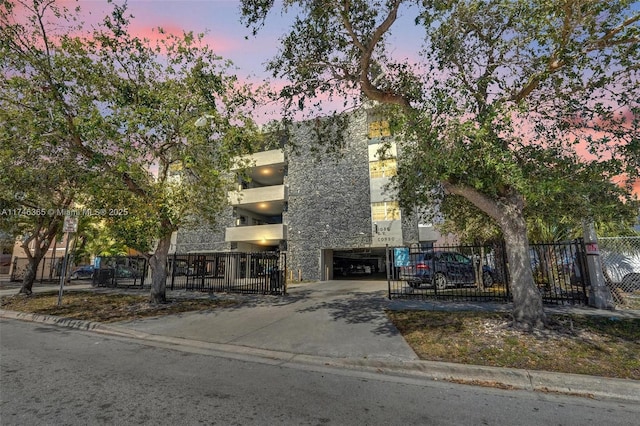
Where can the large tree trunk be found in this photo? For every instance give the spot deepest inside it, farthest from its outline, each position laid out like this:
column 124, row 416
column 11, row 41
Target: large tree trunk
column 41, row 247
column 528, row 311
column 30, row 274
column 158, row 263
column 507, row 211
column 40, row 239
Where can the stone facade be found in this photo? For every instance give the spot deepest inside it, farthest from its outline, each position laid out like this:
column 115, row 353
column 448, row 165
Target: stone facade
column 328, row 205
column 205, row 238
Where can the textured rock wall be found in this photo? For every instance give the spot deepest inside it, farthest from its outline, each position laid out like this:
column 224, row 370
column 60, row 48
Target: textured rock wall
column 205, row 238
column 329, row 205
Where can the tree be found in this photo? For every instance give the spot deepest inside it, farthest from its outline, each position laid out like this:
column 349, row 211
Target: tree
column 38, row 180
column 29, row 209
column 548, row 213
column 96, row 238
column 179, row 111
column 505, row 101
column 162, row 120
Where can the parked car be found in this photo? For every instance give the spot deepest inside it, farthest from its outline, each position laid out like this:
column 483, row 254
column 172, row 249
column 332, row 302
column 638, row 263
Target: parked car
column 127, row 272
column 181, row 267
column 443, row 269
column 345, row 268
column 622, row 269
column 359, row 269
column 82, row 272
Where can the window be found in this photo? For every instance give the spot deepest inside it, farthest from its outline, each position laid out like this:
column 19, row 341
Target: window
column 385, row 210
column 383, row 168
column 379, row 128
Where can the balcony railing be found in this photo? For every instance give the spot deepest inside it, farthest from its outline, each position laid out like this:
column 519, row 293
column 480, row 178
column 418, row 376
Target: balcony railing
column 263, row 194
column 258, row 234
column 259, row 159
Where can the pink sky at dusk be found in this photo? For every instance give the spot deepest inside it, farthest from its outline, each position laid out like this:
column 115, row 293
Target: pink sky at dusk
column 227, row 36
column 220, row 18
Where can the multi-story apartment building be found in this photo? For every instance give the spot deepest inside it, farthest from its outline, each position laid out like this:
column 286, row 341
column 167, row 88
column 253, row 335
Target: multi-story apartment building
column 330, row 213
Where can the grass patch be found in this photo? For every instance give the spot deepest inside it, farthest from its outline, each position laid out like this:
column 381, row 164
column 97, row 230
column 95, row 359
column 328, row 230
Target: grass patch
column 105, row 307
column 600, row 346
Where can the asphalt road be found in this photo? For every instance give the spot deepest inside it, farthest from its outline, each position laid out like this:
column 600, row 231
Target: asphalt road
column 57, row 376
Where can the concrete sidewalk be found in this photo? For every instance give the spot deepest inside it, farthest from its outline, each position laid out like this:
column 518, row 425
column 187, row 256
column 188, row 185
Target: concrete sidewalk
column 338, row 319
column 337, row 323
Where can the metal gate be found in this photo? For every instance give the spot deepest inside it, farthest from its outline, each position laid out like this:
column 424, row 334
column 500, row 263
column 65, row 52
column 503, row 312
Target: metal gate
column 480, row 273
column 257, row 273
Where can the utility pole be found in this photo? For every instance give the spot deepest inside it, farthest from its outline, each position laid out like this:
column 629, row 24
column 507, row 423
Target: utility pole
column 70, row 225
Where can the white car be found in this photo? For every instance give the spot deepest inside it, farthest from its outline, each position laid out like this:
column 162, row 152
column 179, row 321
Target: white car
column 622, row 269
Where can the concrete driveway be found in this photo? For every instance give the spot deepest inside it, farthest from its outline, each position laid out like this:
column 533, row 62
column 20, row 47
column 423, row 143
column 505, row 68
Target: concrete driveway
column 340, row 319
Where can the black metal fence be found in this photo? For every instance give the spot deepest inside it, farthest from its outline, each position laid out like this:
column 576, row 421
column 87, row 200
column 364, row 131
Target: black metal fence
column 49, row 269
column 560, row 272
column 120, row 271
column 257, row 273
column 480, row 273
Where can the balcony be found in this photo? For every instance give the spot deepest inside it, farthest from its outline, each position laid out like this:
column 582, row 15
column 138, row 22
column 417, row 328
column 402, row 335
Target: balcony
column 265, row 168
column 266, row 235
column 266, row 200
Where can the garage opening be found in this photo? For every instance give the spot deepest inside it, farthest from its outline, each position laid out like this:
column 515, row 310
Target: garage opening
column 365, row 264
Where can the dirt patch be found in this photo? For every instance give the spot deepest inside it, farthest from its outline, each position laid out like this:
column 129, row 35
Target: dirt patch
column 599, row 346
column 108, row 307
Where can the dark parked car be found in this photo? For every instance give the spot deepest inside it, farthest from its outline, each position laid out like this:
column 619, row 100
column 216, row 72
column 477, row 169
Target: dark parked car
column 350, row 268
column 127, row 272
column 443, row 269
column 181, row 267
column 82, row 272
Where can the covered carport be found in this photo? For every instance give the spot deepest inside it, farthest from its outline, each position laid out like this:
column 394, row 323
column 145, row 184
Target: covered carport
column 354, row 264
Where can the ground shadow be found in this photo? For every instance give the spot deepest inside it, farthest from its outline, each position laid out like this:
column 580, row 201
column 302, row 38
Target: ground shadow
column 358, row 308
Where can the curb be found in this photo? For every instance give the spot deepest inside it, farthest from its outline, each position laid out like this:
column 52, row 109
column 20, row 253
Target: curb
column 506, row 378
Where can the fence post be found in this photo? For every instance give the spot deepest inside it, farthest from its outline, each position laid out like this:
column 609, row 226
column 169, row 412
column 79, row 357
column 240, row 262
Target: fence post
column 599, row 296
column 13, row 269
column 388, row 268
column 173, row 269
column 43, row 261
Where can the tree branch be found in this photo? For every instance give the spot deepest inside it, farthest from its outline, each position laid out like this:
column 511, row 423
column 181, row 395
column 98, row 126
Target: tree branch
column 369, row 89
column 478, row 199
column 554, row 64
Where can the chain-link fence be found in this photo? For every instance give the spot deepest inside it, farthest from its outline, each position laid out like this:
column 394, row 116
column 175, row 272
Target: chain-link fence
column 621, row 267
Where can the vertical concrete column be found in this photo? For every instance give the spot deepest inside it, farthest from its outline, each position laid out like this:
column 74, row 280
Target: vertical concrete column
column 230, row 270
column 600, row 295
